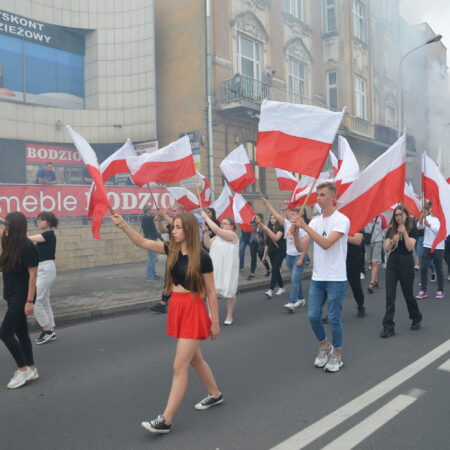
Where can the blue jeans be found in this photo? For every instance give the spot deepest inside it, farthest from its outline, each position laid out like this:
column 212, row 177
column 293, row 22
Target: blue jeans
column 244, row 241
column 151, row 261
column 334, row 293
column 296, row 277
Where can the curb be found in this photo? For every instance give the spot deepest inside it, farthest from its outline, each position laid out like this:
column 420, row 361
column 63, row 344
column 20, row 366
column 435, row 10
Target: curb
column 138, row 304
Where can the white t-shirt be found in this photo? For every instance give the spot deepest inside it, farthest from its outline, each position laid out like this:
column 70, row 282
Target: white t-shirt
column 291, row 249
column 431, row 232
column 330, row 265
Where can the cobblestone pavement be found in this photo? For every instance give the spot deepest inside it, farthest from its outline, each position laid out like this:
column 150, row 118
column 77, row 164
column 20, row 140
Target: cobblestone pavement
column 106, row 290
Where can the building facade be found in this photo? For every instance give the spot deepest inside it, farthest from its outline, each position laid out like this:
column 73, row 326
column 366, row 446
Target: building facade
column 328, row 53
column 84, row 63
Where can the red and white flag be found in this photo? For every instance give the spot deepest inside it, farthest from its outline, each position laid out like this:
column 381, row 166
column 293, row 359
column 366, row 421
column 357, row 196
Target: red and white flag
column 378, row 187
column 286, row 181
column 243, row 212
column 98, row 202
column 334, row 162
column 237, row 169
column 223, row 204
column 348, row 168
column 169, row 164
column 300, row 194
column 412, row 201
column 295, row 137
column 117, row 162
column 184, row 197
column 437, row 190
column 205, row 189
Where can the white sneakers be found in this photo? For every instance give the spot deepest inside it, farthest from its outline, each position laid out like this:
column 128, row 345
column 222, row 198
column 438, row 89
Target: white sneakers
column 269, row 293
column 280, row 291
column 20, row 377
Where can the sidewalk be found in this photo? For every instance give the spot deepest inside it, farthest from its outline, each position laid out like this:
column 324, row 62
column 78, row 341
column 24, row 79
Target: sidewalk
column 107, row 290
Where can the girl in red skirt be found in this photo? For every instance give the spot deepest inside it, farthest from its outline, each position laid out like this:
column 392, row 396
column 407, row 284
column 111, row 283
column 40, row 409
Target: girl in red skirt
column 189, row 280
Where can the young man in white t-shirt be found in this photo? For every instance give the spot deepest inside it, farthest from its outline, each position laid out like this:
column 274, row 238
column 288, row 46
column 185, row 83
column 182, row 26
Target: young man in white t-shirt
column 296, row 261
column 431, row 225
column 329, row 232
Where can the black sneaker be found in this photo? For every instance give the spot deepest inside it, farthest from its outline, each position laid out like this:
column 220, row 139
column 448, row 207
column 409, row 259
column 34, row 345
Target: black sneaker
column 157, row 426
column 387, row 333
column 159, row 307
column 361, row 312
column 208, row 402
column 45, row 336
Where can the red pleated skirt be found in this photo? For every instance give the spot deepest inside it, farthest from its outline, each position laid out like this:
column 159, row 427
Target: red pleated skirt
column 187, row 316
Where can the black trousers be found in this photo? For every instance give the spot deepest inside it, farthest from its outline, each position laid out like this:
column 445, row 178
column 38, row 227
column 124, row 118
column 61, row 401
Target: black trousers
column 437, row 256
column 14, row 333
column 276, row 259
column 447, row 254
column 354, row 279
column 400, row 268
column 256, row 250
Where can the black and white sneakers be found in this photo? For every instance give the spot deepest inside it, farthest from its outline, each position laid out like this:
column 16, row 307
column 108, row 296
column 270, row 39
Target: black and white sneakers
column 208, row 402
column 157, row 426
column 45, row 336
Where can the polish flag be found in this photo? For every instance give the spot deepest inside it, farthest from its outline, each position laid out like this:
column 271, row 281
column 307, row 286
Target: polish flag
column 286, row 181
column 169, row 164
column 98, row 202
column 348, row 168
column 334, row 162
column 412, row 201
column 295, row 137
column 205, row 189
column 436, row 189
column 237, row 169
column 300, row 194
column 243, row 212
column 184, row 197
column 224, row 204
column 117, row 162
column 378, row 187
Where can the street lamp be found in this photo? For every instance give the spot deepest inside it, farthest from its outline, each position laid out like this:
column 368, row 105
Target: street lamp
column 399, row 81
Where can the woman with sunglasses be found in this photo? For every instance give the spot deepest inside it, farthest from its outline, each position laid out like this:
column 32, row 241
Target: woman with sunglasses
column 224, row 252
column 19, row 262
column 399, row 244
column 46, row 244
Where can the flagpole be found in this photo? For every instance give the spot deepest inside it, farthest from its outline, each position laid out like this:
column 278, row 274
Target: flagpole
column 198, row 192
column 307, row 197
column 153, row 197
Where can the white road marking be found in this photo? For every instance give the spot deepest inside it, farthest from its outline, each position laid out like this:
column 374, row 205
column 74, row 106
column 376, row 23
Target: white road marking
column 364, row 429
column 445, row 366
column 332, row 420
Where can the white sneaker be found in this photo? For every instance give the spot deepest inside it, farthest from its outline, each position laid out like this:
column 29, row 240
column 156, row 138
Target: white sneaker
column 362, row 276
column 19, row 379
column 300, row 303
column 280, row 291
column 33, row 374
column 269, row 293
column 289, row 307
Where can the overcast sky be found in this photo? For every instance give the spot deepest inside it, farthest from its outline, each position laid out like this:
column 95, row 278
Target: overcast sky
column 435, row 12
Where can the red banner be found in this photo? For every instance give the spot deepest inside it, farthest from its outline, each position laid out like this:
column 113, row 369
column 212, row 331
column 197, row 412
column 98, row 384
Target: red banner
column 69, row 200
column 38, row 153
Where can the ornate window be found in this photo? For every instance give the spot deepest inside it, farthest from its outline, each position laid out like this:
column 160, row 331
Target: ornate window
column 359, row 25
column 390, row 115
column 248, row 57
column 295, row 8
column 329, row 16
column 296, row 80
column 360, row 97
column 332, row 90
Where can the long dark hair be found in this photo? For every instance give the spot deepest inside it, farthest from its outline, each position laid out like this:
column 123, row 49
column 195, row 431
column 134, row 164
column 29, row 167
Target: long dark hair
column 274, row 226
column 14, row 240
column 394, row 225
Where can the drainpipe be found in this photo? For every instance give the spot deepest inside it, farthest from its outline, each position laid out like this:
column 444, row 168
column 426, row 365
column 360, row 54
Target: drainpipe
column 209, row 94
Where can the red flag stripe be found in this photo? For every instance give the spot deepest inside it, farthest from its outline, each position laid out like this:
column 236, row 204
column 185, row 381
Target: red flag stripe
column 302, row 155
column 115, row 167
column 239, row 184
column 375, row 200
column 164, row 171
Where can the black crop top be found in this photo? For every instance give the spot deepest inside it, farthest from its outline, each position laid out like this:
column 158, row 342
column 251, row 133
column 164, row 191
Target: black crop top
column 178, row 271
column 47, row 248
